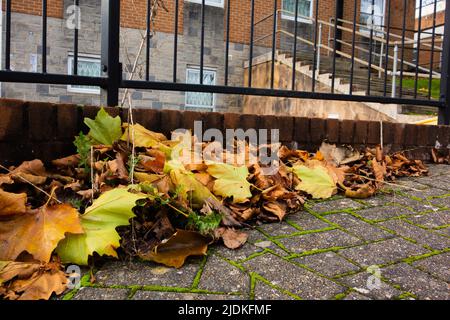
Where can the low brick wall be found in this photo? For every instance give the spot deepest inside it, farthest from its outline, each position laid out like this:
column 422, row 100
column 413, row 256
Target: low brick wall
column 30, row 130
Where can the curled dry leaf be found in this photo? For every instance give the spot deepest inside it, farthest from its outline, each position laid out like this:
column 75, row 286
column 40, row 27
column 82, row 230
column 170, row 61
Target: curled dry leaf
column 231, row 181
column 231, row 238
column 30, row 171
column 37, row 231
column 12, row 203
column 175, row 251
column 31, row 281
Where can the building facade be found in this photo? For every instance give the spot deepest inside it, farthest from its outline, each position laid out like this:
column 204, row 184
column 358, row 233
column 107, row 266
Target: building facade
column 26, row 44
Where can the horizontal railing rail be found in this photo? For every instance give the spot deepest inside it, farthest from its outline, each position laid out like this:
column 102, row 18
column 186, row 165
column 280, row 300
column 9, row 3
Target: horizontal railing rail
column 395, row 67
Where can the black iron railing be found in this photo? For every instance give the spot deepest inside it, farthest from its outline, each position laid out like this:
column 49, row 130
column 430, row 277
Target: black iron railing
column 111, row 81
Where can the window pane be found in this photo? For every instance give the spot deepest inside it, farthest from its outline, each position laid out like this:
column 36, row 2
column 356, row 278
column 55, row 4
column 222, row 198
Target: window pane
column 200, row 99
column 304, row 7
column 88, row 68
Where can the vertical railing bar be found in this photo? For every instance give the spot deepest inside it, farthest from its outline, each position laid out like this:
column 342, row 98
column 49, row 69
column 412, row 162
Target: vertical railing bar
column 44, row 36
column 316, row 23
column 76, row 37
column 444, row 110
column 147, row 52
column 250, row 61
column 432, row 49
column 294, row 53
column 334, row 46
column 419, row 29
column 369, row 71
column 8, row 36
column 227, row 47
column 175, row 42
column 274, row 42
column 388, row 39
column 403, row 48
column 353, row 47
column 202, row 44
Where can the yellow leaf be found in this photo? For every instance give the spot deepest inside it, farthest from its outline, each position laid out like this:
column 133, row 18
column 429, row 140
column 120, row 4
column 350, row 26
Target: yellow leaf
column 142, row 137
column 12, row 203
column 315, row 181
column 231, row 181
column 111, row 210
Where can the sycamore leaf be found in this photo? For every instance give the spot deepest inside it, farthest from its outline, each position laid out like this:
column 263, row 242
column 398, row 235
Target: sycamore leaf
column 191, row 189
column 104, row 129
column 174, row 252
column 231, row 181
column 142, row 137
column 31, row 281
column 315, row 181
column 232, row 239
column 12, row 203
column 38, row 231
column 111, row 210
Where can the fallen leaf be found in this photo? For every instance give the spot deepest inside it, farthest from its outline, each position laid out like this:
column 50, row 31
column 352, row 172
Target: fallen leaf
column 111, row 210
column 70, row 161
column 231, row 181
column 12, row 203
column 233, row 239
column 38, row 231
column 190, row 188
column 142, row 137
column 339, row 155
column 104, row 129
column 177, row 249
column 317, row 181
column 30, row 171
column 32, row 281
column 363, row 192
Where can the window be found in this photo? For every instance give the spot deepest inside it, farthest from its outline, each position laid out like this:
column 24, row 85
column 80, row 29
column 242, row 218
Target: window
column 376, row 20
column 305, row 10
column 214, row 3
column 200, row 99
column 89, row 66
column 428, row 7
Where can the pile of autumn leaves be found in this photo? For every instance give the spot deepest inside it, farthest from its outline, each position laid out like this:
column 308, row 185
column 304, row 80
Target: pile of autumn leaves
column 127, row 191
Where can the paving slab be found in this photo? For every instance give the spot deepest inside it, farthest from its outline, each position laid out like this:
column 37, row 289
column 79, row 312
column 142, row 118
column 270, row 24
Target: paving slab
column 88, row 293
column 292, row 278
column 327, row 263
column 147, row 274
column 422, row 236
column 334, row 205
column 155, row 295
column 359, row 228
column 382, row 213
column 220, row 276
column 365, row 284
column 438, row 265
column 417, row 282
column 431, row 220
column 306, row 222
column 383, row 252
column 319, row 240
column 265, row 292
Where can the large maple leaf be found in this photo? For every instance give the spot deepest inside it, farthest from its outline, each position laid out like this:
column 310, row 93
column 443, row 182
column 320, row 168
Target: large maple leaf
column 142, row 137
column 12, row 203
column 111, row 210
column 37, row 231
column 104, row 129
column 231, row 181
column 315, row 181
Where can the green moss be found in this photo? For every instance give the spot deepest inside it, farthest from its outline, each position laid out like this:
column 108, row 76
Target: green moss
column 199, row 273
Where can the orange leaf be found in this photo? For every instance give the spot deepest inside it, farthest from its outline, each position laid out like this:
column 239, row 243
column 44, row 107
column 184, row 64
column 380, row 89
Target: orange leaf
column 37, row 232
column 12, row 203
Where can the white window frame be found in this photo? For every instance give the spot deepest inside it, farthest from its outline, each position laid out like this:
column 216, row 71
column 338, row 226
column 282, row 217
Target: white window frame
column 212, row 4
column 205, row 70
column 291, row 17
column 87, row 58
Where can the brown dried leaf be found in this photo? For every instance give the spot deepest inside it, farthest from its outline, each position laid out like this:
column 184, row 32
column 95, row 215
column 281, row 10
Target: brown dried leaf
column 12, row 203
column 231, row 238
column 38, row 231
column 32, row 281
column 175, row 251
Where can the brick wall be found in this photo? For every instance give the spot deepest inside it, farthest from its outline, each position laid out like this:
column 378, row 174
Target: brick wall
column 54, row 7
column 30, row 130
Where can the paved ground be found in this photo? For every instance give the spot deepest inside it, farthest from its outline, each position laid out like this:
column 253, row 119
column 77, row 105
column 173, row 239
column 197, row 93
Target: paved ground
column 393, row 246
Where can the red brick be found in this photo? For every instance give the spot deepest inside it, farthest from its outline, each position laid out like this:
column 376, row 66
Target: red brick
column 170, row 121
column 302, row 131
column 67, row 121
column 332, row 134
column 361, row 132
column 347, row 130
column 317, row 130
column 373, row 133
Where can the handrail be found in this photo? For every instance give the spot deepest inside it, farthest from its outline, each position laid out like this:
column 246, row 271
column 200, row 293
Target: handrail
column 345, row 55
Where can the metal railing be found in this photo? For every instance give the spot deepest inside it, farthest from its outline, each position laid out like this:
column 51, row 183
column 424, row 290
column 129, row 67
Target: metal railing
column 111, row 80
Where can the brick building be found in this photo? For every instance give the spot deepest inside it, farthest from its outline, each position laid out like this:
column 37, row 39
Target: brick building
column 426, row 26
column 26, row 46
